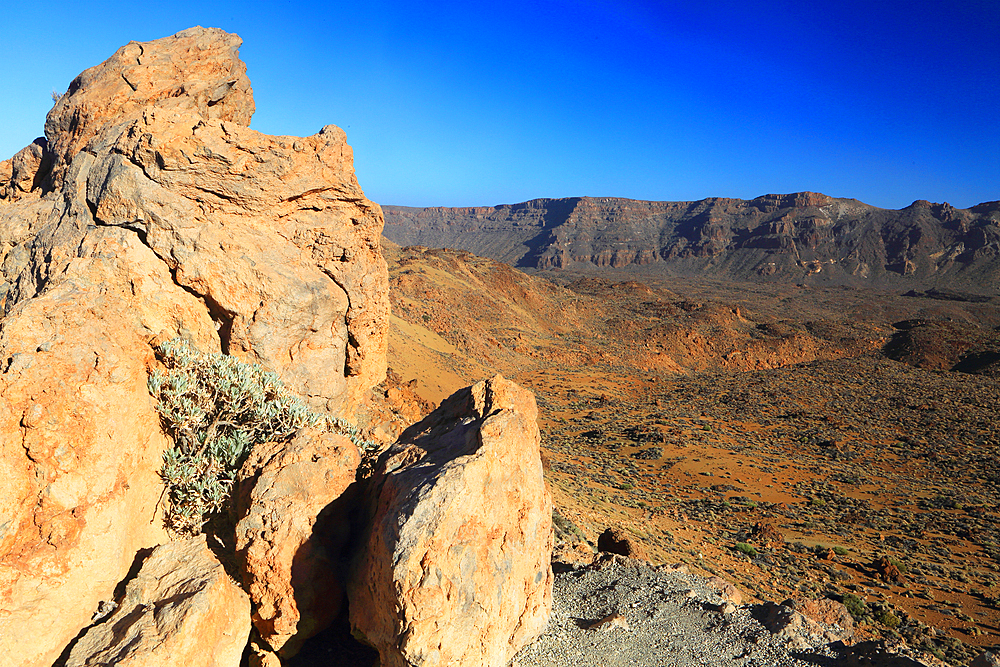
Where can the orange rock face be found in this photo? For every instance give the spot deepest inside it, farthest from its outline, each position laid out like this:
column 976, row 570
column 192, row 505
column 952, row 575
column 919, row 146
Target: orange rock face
column 456, row 569
column 290, row 573
column 151, row 211
column 181, row 609
column 80, row 440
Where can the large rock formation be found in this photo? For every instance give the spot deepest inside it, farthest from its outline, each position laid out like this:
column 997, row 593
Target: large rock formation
column 181, row 609
column 150, row 211
column 456, row 568
column 803, row 237
column 291, row 574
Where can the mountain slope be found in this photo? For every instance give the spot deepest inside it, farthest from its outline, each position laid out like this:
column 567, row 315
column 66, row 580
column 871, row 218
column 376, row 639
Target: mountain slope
column 457, row 317
column 804, row 237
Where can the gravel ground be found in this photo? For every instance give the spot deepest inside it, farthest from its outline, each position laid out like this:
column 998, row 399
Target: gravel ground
column 652, row 617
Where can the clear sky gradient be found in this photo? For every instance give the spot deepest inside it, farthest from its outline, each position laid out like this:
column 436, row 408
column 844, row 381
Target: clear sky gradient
column 446, row 104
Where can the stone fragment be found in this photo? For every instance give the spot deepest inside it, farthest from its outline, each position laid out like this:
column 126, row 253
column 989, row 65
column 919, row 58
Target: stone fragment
column 610, row 622
column 617, row 541
column 727, row 591
column 27, row 171
column 259, row 655
column 291, row 574
column 764, row 534
column 787, row 622
column 826, row 611
column 887, row 571
column 455, row 569
column 181, row 609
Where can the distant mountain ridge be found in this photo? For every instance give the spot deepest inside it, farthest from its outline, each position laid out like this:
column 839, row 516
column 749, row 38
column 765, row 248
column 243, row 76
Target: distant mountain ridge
column 802, row 237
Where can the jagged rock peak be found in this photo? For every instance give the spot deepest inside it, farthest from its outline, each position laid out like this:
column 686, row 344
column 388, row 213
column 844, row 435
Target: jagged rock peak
column 198, row 69
column 152, row 212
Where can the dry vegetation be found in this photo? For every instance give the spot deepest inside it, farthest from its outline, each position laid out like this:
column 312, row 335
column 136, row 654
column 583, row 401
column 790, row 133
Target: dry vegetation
column 758, row 433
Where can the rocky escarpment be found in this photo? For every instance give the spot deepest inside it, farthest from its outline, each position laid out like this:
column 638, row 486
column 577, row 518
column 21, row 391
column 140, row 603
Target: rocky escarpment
column 151, row 211
column 804, row 237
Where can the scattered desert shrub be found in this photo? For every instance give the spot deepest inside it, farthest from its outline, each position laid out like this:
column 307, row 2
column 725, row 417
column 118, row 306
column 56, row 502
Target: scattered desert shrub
column 857, row 607
column 748, row 549
column 840, row 551
column 565, row 528
column 900, row 565
column 886, row 618
column 217, row 408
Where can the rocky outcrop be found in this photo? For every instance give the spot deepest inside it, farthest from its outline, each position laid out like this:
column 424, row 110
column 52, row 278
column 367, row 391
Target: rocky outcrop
column 455, row 569
column 151, row 211
column 727, row 591
column 804, row 238
column 826, row 612
column 614, row 540
column 273, row 234
column 807, row 624
column 181, row 609
column 946, row 345
column 291, row 574
column 80, row 440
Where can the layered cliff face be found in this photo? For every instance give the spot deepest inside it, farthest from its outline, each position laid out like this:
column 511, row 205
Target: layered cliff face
column 151, row 211
column 804, row 237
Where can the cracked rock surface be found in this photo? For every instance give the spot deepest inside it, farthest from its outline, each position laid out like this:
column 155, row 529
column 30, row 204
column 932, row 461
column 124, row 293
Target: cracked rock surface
column 455, row 568
column 149, row 211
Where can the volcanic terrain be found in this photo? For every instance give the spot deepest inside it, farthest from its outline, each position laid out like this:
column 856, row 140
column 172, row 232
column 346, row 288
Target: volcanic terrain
column 798, row 441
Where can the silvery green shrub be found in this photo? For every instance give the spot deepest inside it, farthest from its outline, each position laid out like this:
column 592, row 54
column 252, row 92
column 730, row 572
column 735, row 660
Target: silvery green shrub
column 216, row 408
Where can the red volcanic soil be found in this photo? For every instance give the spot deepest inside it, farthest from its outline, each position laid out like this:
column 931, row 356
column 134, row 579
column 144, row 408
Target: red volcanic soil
column 695, row 416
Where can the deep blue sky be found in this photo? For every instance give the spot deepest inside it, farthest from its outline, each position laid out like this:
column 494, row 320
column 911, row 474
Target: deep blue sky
column 448, row 105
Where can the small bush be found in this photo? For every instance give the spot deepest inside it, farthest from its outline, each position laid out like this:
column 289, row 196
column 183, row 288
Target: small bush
column 857, row 607
column 748, row 549
column 899, row 565
column 217, row 408
column 840, row 551
column 565, row 527
column 887, row 618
